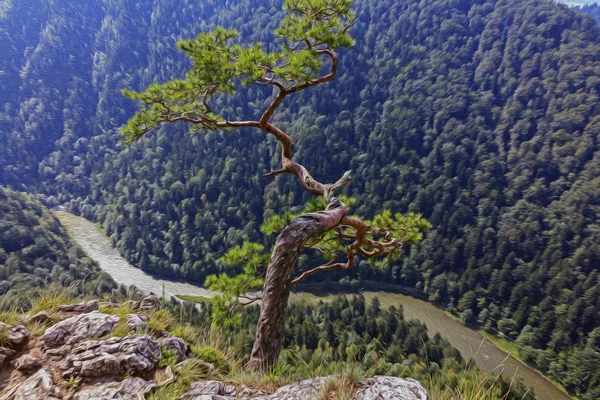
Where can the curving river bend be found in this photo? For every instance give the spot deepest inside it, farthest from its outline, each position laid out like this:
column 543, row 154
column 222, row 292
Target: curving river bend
column 470, row 343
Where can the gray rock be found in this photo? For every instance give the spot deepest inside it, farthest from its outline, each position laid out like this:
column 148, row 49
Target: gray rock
column 16, row 336
column 245, row 391
column 77, row 328
column 136, row 322
column 83, row 307
column 199, row 389
column 306, row 389
column 58, row 353
column 5, row 354
column 125, row 390
column 28, row 364
column 38, row 386
column 114, row 356
column 132, row 304
column 41, row 317
column 377, row 388
column 101, row 365
column 387, row 387
column 149, row 303
column 177, row 346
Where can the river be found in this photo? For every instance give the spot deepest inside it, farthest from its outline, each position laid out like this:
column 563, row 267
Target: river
column 470, row 343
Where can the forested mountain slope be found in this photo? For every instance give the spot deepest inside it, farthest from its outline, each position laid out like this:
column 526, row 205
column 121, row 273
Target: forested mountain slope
column 36, row 252
column 482, row 115
column 591, row 9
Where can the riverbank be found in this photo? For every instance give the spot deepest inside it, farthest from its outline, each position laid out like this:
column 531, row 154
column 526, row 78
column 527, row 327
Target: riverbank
column 471, row 343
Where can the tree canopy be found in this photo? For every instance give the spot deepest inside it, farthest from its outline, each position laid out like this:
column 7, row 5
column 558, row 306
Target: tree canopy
column 310, row 30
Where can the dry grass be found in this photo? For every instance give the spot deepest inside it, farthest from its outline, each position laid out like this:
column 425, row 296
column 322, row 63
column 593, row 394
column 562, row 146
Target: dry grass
column 9, row 316
column 49, row 299
column 469, row 384
column 160, row 321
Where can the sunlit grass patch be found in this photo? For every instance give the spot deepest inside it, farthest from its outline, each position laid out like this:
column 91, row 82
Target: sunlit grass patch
column 160, row 321
column 50, row 298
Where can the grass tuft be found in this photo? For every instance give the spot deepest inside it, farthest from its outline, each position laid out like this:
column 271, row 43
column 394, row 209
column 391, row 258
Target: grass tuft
column 4, row 342
column 9, row 316
column 71, row 383
column 160, row 321
column 188, row 333
column 121, row 311
column 49, row 299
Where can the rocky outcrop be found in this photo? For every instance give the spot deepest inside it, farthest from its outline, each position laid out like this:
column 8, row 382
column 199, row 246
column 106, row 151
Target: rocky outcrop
column 5, row 354
column 68, row 351
column 75, row 329
column 386, row 387
column 40, row 318
column 37, row 387
column 28, row 364
column 83, row 307
column 177, row 346
column 136, row 322
column 147, row 303
column 113, row 357
column 308, row 388
column 377, row 388
column 206, row 388
column 128, row 389
column 16, row 337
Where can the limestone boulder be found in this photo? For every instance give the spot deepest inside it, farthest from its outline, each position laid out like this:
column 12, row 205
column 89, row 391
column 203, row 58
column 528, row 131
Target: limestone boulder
column 28, row 364
column 387, row 387
column 113, row 357
column 38, row 386
column 16, row 337
column 78, row 328
column 83, row 307
column 177, row 346
column 128, row 389
column 206, row 388
column 5, row 354
column 377, row 388
column 136, row 322
column 41, row 317
column 149, row 303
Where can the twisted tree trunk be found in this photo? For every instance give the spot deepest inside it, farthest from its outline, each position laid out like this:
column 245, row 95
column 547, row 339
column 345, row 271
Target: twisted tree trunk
column 278, row 280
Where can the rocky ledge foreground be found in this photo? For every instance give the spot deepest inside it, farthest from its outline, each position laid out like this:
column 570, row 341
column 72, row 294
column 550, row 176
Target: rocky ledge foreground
column 77, row 359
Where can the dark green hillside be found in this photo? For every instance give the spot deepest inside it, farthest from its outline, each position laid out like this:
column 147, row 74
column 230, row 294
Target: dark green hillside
column 483, row 115
column 35, row 252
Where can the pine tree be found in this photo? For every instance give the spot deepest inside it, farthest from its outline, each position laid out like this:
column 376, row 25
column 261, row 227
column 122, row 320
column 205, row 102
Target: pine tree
column 312, row 33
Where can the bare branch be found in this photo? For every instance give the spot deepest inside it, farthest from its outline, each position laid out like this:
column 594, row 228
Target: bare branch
column 322, row 79
column 323, row 268
column 264, row 119
column 207, row 93
column 275, row 172
column 238, row 304
column 272, row 81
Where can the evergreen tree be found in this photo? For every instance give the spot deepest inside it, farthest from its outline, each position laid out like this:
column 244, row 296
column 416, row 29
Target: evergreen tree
column 312, row 33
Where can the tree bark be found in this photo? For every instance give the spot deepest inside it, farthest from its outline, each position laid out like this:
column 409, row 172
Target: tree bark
column 278, row 281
